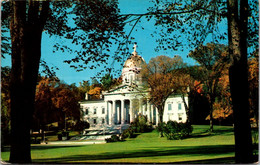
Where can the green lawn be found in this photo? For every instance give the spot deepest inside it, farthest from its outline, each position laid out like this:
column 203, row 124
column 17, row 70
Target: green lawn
column 202, row 147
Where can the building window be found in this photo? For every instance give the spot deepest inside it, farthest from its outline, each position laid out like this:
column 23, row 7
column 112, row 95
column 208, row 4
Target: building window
column 94, row 121
column 103, row 110
column 169, row 107
column 179, row 106
column 86, row 111
column 95, row 111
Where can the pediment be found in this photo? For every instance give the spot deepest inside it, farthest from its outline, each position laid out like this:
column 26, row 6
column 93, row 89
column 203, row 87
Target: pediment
column 119, row 89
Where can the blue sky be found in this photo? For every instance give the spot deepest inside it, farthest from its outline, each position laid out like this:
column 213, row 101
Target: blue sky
column 145, row 42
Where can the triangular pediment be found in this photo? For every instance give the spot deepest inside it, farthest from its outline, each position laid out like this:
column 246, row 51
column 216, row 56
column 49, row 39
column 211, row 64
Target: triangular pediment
column 124, row 88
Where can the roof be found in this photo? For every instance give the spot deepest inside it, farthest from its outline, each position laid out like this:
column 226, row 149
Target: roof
column 92, row 101
column 134, row 61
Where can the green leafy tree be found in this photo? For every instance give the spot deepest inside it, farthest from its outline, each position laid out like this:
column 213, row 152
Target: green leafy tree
column 107, row 81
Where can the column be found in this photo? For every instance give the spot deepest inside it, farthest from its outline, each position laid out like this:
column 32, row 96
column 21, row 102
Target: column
column 114, row 111
column 152, row 116
column 123, row 112
column 107, row 113
column 118, row 114
column 157, row 116
column 110, row 112
column 132, row 117
column 148, row 111
column 140, row 106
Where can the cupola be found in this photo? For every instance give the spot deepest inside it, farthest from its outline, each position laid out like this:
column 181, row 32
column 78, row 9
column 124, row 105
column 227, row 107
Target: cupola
column 132, row 68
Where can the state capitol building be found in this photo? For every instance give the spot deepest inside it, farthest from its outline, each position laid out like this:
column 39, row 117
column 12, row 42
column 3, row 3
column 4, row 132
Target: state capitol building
column 122, row 104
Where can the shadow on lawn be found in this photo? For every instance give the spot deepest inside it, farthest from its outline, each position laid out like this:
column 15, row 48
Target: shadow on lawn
column 181, row 151
column 206, row 133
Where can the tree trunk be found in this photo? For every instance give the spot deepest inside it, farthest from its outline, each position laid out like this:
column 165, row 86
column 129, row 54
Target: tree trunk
column 26, row 52
column 187, row 109
column 211, row 116
column 160, row 119
column 211, row 125
column 237, row 34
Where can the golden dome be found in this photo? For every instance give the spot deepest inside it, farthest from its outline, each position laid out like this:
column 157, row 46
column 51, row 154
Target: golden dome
column 135, row 61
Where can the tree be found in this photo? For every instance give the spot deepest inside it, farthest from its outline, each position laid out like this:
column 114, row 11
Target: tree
column 107, row 81
column 83, row 88
column 65, row 100
column 55, row 102
column 95, row 92
column 213, row 59
column 185, row 85
column 28, row 19
column 26, row 31
column 43, row 113
column 238, row 72
column 159, row 75
column 222, row 108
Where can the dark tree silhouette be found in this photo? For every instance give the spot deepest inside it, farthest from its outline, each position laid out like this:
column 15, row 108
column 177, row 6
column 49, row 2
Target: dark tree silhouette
column 238, row 76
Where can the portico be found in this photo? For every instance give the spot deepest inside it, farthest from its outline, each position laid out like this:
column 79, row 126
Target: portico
column 118, row 111
column 122, row 111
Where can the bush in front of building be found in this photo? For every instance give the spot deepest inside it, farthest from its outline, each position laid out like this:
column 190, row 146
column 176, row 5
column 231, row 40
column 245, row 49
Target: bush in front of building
column 128, row 133
column 174, row 130
column 113, row 138
column 140, row 124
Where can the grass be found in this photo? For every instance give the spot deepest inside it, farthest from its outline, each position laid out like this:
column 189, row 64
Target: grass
column 201, row 147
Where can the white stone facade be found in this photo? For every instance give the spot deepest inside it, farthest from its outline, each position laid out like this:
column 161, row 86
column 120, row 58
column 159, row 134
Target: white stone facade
column 122, row 104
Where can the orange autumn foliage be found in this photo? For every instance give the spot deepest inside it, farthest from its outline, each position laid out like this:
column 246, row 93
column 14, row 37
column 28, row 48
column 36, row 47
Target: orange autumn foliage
column 95, row 92
column 222, row 109
column 198, row 87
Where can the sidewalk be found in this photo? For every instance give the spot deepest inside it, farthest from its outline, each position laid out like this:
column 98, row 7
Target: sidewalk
column 75, row 142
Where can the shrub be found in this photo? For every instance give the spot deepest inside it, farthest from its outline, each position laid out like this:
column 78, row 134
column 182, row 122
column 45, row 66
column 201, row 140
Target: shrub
column 140, row 124
column 128, row 133
column 174, row 130
column 113, row 138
